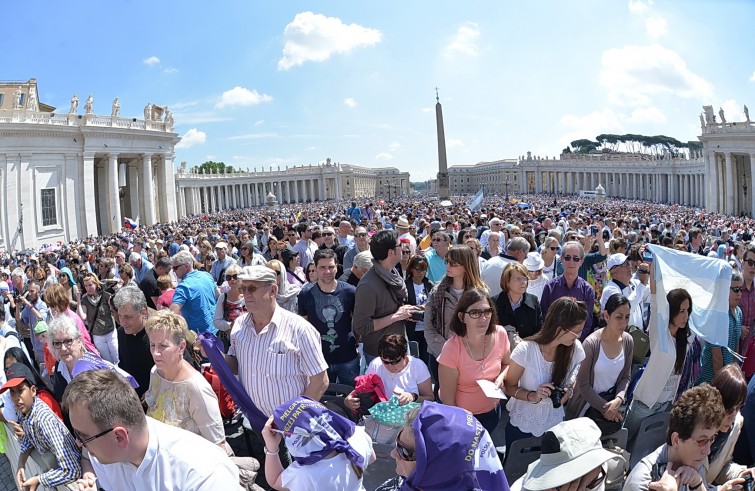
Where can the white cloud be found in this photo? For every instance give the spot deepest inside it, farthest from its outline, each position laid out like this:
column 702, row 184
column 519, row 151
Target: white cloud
column 639, row 6
column 259, row 122
column 454, row 143
column 430, row 109
column 191, row 138
column 752, row 77
column 152, row 60
column 656, row 27
column 634, row 74
column 170, row 69
column 384, row 157
column 733, row 111
column 647, row 115
column 315, row 37
column 394, row 146
column 350, row 101
column 464, row 42
column 240, row 96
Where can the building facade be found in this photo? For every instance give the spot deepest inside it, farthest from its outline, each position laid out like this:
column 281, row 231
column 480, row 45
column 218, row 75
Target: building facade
column 207, row 193
column 67, row 175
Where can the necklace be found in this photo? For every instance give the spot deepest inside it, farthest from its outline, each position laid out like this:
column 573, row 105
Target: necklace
column 481, row 362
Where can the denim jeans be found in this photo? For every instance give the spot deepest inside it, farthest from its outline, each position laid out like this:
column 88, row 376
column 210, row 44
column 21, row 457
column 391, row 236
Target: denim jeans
column 344, row 372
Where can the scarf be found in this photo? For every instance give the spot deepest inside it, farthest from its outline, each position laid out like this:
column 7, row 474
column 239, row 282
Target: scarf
column 454, row 453
column 213, row 348
column 90, row 361
column 393, row 280
column 313, row 432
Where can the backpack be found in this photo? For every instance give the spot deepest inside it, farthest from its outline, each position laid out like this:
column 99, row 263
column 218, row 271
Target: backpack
column 641, row 344
column 227, row 407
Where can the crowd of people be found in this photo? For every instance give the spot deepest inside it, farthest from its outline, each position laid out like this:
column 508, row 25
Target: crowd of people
column 539, row 311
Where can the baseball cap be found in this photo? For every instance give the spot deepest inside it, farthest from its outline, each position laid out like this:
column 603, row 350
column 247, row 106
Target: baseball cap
column 17, row 374
column 616, row 259
column 287, row 254
column 40, row 327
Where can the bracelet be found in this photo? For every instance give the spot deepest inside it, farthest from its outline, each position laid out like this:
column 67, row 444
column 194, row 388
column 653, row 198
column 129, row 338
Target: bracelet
column 268, row 452
column 697, row 486
column 415, row 397
column 517, row 392
column 528, row 395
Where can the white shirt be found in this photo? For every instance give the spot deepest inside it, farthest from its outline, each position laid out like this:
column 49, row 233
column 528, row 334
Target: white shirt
column 412, row 241
column 275, row 365
column 333, row 473
column 407, row 380
column 492, row 271
column 176, row 460
column 635, row 293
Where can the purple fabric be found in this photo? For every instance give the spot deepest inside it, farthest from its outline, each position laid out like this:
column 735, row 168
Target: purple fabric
column 581, row 290
column 90, row 361
column 454, row 453
column 313, row 432
column 213, row 348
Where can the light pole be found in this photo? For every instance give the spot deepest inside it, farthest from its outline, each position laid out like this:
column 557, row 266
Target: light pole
column 506, row 184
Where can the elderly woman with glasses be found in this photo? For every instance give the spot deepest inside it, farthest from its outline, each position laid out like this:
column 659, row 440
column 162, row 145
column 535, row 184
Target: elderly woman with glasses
column 493, row 247
column 444, row 448
column 401, row 373
column 514, row 306
column 542, row 371
column 479, row 351
column 230, row 305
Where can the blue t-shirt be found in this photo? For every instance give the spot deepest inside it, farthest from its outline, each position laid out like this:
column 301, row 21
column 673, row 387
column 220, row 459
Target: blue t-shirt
column 196, row 296
column 331, row 313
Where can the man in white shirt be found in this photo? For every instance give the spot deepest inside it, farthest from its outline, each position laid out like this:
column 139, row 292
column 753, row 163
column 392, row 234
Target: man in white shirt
column 403, row 233
column 621, row 282
column 129, row 451
column 495, row 226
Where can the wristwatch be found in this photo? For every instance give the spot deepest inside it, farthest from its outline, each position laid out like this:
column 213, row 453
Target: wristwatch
column 415, row 397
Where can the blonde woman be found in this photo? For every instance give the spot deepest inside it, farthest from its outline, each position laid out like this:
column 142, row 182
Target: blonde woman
column 462, row 273
column 178, row 394
column 551, row 260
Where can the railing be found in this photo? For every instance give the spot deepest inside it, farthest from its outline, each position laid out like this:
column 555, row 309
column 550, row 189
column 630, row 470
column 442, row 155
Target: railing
column 35, row 464
column 735, row 127
column 63, row 119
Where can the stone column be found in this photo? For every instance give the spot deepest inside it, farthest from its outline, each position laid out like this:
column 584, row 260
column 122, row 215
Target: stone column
column 168, row 197
column 296, row 191
column 113, row 194
column 729, row 184
column 87, row 196
column 751, row 184
column 148, row 190
column 133, row 193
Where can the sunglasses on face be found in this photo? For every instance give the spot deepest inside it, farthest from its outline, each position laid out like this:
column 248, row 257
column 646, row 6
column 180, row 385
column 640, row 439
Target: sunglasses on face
column 736, row 289
column 554, row 249
column 575, row 259
column 477, row 313
column 230, row 277
column 392, row 362
column 403, row 452
column 251, row 288
column 327, row 234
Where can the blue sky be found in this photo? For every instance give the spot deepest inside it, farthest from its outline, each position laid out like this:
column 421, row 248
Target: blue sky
column 280, row 83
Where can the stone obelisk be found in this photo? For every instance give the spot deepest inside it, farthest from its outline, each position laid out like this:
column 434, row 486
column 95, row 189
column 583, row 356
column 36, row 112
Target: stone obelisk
column 442, row 161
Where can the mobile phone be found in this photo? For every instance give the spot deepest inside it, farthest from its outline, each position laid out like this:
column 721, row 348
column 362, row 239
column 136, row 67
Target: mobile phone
column 647, row 256
column 593, row 230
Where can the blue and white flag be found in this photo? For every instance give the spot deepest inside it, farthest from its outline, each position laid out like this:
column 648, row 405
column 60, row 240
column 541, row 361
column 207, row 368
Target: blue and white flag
column 707, row 280
column 476, row 202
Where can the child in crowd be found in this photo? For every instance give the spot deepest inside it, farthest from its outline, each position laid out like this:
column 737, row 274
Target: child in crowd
column 43, row 431
column 40, row 332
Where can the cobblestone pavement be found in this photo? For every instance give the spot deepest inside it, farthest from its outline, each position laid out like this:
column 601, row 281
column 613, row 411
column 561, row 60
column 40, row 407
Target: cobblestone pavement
column 6, row 475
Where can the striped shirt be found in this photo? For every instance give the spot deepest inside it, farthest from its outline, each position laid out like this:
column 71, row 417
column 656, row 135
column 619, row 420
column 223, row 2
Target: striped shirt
column 747, row 304
column 276, row 363
column 46, row 433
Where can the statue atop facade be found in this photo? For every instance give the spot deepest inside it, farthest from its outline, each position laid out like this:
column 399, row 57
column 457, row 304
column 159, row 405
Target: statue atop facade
column 747, row 114
column 32, row 104
column 74, row 105
column 148, row 112
column 17, row 95
column 89, row 104
column 182, row 168
column 168, row 119
column 702, row 122
column 710, row 118
column 721, row 113
column 116, row 108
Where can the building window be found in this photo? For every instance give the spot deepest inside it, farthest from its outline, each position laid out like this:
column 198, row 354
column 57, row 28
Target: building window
column 49, row 208
column 2, row 99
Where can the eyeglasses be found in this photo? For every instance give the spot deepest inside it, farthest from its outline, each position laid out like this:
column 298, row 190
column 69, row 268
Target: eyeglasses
column 521, row 279
column 230, row 277
column 453, row 264
column 575, row 334
column 403, row 452
column 575, row 259
column 750, row 262
column 327, row 234
column 554, row 249
column 392, row 362
column 477, row 313
column 251, row 288
column 83, row 442
column 736, row 289
column 701, row 442
column 362, row 234
column 67, row 342
column 438, row 240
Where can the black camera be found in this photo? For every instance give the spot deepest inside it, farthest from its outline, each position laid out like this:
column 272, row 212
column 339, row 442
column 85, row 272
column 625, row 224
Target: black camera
column 418, row 315
column 747, row 484
column 556, row 395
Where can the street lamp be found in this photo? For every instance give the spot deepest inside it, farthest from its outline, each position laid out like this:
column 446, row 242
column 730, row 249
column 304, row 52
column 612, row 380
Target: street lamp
column 506, row 184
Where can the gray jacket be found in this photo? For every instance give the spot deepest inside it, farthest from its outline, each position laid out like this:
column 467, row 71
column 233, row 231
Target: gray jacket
column 373, row 301
column 438, row 320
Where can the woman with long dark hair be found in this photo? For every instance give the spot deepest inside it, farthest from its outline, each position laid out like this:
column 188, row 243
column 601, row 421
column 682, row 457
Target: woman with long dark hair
column 418, row 288
column 543, row 369
column 657, row 387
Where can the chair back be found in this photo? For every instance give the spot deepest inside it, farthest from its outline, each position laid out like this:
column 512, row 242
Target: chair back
column 520, row 455
column 651, row 435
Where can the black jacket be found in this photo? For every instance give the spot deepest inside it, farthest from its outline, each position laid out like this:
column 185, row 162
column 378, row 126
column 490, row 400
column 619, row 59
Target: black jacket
column 528, row 319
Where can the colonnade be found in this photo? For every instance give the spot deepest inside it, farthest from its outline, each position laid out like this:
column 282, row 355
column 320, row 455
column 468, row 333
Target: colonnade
column 732, row 181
